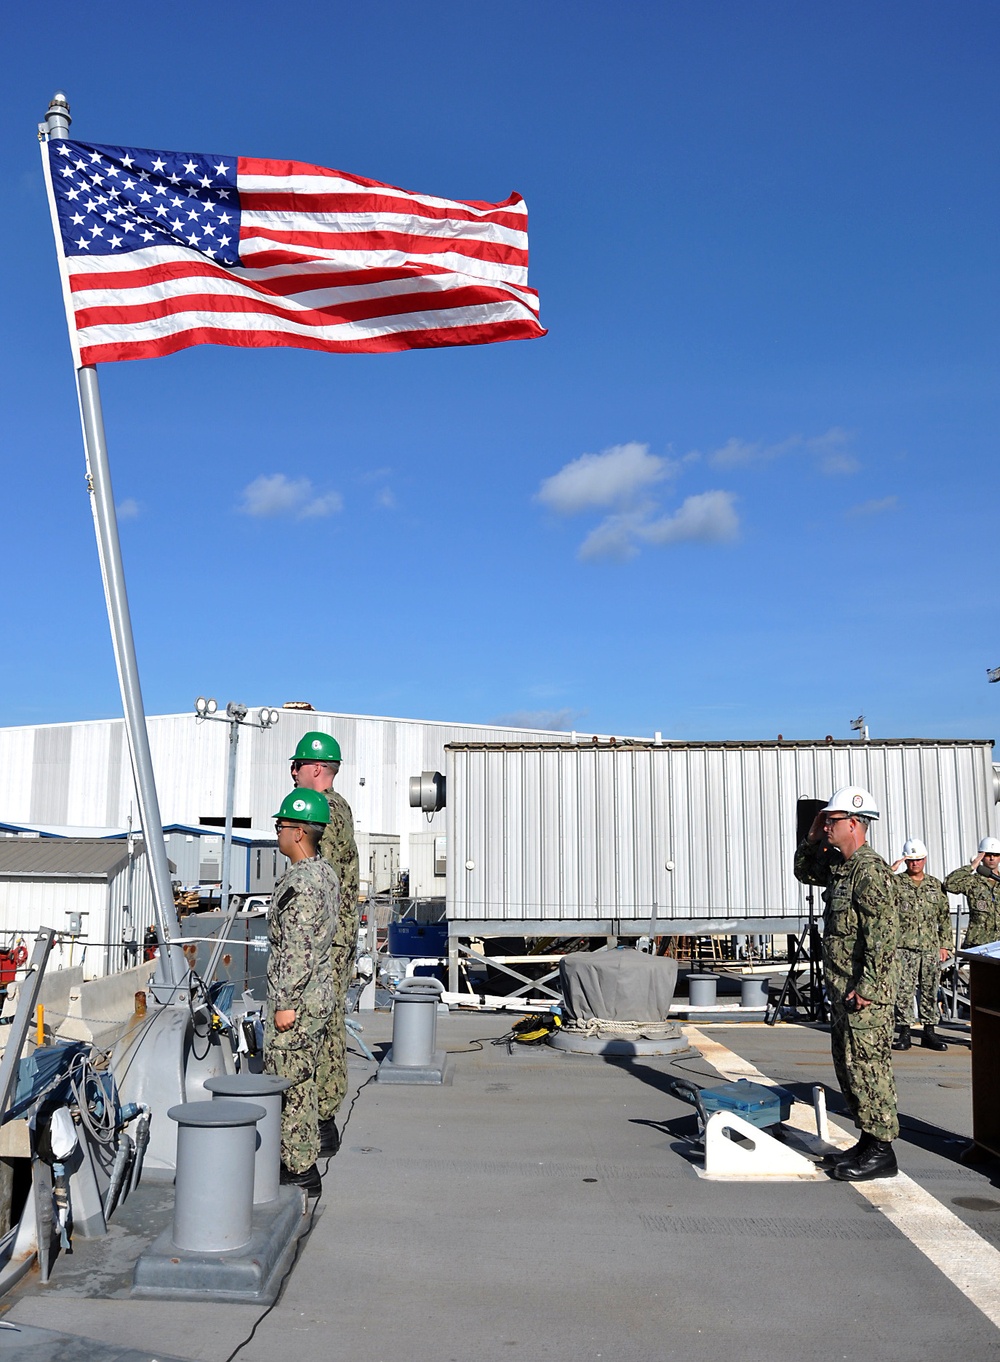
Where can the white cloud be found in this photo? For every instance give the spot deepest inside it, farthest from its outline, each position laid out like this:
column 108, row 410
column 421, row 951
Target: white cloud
column 615, row 537
column 706, row 518
column 320, row 506
column 830, row 450
column 385, row 499
column 129, row 509
column 275, row 494
column 612, row 478
column 875, row 507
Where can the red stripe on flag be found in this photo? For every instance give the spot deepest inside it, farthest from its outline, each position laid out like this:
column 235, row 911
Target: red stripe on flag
column 286, row 170
column 362, row 309
column 301, row 201
column 380, row 240
column 426, row 338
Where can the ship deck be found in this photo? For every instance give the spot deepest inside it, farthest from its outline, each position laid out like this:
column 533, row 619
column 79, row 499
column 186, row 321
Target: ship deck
column 546, row 1204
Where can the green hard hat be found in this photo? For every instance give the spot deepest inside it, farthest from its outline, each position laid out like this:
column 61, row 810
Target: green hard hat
column 304, row 806
column 317, row 747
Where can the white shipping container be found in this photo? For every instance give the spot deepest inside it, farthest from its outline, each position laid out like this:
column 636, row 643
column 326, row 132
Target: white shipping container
column 689, row 837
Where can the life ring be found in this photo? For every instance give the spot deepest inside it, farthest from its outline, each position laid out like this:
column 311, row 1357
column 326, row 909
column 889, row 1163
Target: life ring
column 19, row 954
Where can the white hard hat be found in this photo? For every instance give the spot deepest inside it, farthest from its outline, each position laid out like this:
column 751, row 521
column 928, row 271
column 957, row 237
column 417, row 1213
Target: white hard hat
column 914, row 850
column 990, row 846
column 853, row 799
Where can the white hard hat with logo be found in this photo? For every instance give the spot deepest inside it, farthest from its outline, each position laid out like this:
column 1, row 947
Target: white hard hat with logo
column 914, row 850
column 990, row 846
column 853, row 799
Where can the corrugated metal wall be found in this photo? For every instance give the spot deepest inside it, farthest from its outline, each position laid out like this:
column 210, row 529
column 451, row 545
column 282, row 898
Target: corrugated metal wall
column 113, row 911
column 80, row 773
column 560, row 833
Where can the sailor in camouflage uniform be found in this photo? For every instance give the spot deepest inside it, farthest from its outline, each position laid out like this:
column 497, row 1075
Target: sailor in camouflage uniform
column 314, row 767
column 301, row 996
column 980, row 883
column 924, row 942
column 860, row 925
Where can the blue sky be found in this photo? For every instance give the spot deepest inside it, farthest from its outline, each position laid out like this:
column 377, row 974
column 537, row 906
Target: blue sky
column 745, row 486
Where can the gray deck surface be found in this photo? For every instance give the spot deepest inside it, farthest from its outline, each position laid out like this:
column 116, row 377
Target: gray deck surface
column 542, row 1205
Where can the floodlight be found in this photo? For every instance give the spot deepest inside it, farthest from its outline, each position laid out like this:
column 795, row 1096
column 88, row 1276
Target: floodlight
column 200, row 705
column 211, row 706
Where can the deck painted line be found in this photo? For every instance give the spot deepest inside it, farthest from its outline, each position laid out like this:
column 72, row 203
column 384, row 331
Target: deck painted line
column 965, row 1257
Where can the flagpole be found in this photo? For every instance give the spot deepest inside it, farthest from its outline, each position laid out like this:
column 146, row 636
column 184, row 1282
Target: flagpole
column 171, row 967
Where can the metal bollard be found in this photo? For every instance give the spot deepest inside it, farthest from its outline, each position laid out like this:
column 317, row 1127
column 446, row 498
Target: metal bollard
column 265, row 1090
column 414, row 1022
column 213, row 1193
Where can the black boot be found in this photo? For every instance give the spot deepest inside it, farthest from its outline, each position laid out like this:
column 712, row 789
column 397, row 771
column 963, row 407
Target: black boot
column 329, row 1137
column 309, row 1181
column 930, row 1040
column 902, row 1041
column 876, row 1161
column 843, row 1155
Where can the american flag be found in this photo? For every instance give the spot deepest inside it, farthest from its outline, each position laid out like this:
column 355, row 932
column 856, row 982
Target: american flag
column 163, row 249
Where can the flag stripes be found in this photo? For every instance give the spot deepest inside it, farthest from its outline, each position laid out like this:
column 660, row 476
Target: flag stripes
column 163, row 251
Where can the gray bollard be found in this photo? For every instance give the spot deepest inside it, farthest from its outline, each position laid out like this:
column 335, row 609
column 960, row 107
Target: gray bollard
column 753, row 991
column 213, row 1192
column 414, row 1022
column 265, row 1090
column 702, row 989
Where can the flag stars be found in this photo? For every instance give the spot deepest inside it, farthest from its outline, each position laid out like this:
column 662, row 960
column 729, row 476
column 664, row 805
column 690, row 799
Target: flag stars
column 190, row 167
column 116, row 241
column 127, row 161
column 221, row 168
column 63, row 149
column 83, row 243
column 95, row 157
column 77, row 220
column 159, row 165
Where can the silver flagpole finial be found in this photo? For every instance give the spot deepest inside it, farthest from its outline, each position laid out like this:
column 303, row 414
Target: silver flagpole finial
column 57, row 115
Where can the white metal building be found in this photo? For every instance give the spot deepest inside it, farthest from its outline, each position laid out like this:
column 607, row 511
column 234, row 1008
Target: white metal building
column 686, row 838
column 80, row 774
column 95, row 893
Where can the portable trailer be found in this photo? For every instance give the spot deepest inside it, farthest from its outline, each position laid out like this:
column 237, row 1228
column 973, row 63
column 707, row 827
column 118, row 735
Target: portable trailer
column 636, row 838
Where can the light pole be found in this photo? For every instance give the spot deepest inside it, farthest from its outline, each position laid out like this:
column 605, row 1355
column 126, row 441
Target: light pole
column 235, row 715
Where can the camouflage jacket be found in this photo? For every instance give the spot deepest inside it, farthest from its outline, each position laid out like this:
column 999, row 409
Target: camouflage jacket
column 982, row 889
column 340, row 849
column 924, row 915
column 860, row 919
column 301, row 923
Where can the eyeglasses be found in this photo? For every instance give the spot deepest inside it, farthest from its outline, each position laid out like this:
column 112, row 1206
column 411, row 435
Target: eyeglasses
column 285, row 827
column 841, row 818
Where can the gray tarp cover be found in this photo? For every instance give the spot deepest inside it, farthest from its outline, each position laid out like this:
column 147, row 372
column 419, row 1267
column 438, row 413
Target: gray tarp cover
column 618, row 985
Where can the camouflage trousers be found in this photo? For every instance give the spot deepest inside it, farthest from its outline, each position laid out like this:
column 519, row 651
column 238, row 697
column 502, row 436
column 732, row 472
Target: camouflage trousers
column 921, row 967
column 293, row 1054
column 331, row 1075
column 861, row 1043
